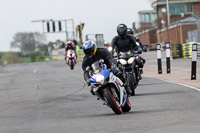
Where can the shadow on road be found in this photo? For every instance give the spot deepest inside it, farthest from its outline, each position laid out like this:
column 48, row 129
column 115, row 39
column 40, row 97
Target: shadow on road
column 112, row 114
column 160, row 93
column 152, row 84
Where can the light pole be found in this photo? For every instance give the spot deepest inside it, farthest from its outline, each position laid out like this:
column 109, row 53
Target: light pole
column 168, row 20
column 168, row 16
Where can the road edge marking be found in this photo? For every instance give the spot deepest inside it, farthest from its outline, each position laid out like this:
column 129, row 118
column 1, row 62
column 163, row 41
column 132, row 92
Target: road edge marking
column 197, row 89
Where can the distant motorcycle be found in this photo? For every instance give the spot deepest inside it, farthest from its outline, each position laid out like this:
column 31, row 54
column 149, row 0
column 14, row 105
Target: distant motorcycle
column 108, row 88
column 128, row 64
column 71, row 58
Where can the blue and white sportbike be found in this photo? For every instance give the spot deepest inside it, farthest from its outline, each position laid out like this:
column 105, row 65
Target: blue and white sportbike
column 109, row 88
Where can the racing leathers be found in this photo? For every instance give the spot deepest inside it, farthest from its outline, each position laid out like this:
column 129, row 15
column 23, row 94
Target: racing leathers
column 123, row 44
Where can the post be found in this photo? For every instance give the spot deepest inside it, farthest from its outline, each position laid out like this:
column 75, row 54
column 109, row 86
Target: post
column 66, row 30
column 168, row 15
column 168, row 57
column 159, row 59
column 194, row 61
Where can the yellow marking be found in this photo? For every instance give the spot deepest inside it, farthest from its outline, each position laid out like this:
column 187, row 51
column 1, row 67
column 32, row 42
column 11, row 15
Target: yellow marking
column 35, row 70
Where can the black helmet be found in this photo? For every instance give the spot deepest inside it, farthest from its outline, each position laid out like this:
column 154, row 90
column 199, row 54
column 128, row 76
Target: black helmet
column 130, row 31
column 122, row 30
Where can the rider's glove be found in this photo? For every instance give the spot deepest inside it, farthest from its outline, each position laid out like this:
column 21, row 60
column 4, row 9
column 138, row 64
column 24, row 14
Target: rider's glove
column 116, row 70
column 144, row 48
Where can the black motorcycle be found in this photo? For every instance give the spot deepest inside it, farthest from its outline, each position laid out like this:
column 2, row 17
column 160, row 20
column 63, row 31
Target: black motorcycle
column 128, row 63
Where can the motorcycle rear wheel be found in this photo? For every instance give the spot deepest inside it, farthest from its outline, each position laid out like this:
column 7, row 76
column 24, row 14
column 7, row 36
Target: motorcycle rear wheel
column 110, row 99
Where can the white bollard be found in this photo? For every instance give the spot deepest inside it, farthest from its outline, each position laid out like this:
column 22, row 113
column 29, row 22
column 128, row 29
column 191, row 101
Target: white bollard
column 194, row 61
column 168, row 57
column 159, row 59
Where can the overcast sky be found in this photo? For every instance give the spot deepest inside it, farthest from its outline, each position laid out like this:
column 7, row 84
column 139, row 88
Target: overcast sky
column 99, row 16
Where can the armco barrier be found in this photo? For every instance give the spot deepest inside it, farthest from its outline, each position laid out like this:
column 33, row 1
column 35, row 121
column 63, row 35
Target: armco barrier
column 187, row 50
column 58, row 54
column 184, row 50
column 177, row 51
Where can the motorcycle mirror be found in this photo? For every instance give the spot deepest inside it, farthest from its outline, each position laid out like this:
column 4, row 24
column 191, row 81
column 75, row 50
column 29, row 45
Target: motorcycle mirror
column 87, row 68
column 102, row 61
column 137, row 43
column 109, row 49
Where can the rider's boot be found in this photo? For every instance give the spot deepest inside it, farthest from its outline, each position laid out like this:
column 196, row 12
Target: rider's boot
column 139, row 76
column 128, row 90
column 92, row 91
column 140, row 73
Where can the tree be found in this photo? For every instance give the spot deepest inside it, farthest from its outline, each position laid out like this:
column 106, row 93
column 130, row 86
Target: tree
column 43, row 49
column 27, row 41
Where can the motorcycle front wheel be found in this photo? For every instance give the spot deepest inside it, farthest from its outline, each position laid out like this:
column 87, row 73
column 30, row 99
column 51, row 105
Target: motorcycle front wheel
column 112, row 101
column 132, row 83
column 127, row 106
column 72, row 64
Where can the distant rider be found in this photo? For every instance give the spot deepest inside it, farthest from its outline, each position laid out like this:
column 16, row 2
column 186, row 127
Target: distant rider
column 69, row 46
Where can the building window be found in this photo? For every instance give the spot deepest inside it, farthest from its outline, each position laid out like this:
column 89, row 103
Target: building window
column 146, row 17
column 176, row 9
column 189, row 8
column 172, row 8
column 180, row 8
column 153, row 18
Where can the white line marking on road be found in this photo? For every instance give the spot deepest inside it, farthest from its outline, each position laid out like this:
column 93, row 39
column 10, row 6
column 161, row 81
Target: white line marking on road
column 198, row 89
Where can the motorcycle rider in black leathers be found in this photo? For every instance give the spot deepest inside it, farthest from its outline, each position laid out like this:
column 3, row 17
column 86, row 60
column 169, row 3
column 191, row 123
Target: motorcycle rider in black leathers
column 93, row 54
column 124, row 42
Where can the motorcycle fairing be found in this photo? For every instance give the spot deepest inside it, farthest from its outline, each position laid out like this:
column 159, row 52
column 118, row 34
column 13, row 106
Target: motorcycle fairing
column 104, row 72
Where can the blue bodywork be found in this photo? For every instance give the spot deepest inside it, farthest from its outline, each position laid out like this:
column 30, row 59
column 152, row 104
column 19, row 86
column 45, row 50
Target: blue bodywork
column 103, row 72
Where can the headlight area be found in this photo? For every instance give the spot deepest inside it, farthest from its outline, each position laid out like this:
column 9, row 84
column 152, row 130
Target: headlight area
column 122, row 61
column 130, row 60
column 100, row 79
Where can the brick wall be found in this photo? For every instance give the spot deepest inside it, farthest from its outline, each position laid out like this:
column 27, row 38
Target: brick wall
column 175, row 18
column 144, row 38
column 196, row 7
column 148, row 38
column 153, row 36
column 162, row 37
column 144, row 26
column 187, row 28
column 176, row 35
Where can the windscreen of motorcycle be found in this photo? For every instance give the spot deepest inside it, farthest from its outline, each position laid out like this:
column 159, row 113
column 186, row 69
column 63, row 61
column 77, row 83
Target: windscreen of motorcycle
column 125, row 55
column 96, row 67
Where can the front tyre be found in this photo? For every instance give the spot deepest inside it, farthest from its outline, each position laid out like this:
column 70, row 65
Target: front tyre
column 111, row 100
column 127, row 106
column 132, row 82
column 72, row 64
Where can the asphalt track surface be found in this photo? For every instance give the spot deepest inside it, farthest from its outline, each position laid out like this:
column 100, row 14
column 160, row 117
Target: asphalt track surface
column 48, row 97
